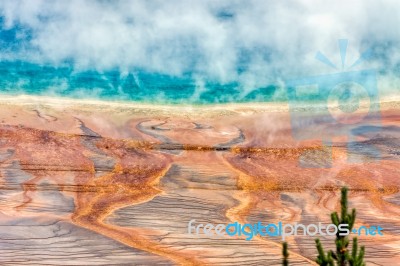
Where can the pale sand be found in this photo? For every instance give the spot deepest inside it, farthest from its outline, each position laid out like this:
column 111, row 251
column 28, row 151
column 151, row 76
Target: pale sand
column 178, row 109
column 87, row 103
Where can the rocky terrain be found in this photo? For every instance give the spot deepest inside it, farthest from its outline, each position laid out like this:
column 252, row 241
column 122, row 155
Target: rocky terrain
column 95, row 185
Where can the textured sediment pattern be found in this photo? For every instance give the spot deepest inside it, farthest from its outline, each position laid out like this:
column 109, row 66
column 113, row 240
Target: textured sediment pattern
column 85, row 187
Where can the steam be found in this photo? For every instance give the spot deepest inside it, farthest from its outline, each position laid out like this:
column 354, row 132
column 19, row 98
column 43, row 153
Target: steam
column 253, row 43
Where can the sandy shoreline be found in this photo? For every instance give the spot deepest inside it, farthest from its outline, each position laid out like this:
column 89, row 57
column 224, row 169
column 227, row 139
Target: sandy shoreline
column 60, row 102
column 115, row 107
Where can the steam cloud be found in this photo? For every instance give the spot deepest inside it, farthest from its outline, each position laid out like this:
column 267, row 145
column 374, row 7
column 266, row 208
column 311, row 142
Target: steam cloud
column 254, row 42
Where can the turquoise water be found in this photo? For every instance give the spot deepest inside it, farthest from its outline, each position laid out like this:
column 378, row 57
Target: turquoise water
column 17, row 78
column 26, row 78
column 23, row 77
column 18, row 75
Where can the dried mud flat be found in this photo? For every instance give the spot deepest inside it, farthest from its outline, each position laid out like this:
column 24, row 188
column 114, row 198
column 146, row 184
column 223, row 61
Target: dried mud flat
column 93, row 184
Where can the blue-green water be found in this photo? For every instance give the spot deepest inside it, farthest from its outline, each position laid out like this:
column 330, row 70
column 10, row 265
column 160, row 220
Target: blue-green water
column 19, row 75
column 33, row 45
column 25, row 78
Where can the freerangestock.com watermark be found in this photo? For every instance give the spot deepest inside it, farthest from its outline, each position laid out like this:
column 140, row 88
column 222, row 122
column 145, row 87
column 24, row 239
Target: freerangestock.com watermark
column 249, row 231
